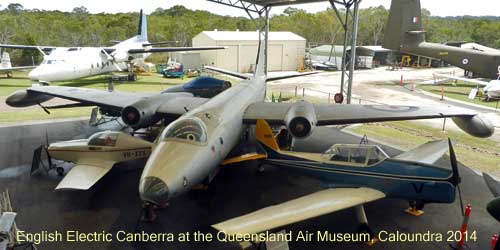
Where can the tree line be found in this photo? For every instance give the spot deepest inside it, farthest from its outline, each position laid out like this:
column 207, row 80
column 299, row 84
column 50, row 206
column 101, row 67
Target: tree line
column 81, row 28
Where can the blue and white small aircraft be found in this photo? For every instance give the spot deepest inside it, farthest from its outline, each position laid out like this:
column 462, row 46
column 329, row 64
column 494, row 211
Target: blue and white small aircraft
column 355, row 174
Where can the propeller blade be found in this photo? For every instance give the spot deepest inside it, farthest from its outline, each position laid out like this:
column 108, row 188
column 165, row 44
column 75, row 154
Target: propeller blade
column 494, row 208
column 492, row 184
column 455, row 179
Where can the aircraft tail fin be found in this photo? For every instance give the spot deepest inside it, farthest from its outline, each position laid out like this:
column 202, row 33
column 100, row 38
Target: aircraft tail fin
column 404, row 27
column 260, row 68
column 5, row 62
column 143, row 27
column 264, row 135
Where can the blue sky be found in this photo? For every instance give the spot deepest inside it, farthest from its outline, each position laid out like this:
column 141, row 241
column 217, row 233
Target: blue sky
column 437, row 7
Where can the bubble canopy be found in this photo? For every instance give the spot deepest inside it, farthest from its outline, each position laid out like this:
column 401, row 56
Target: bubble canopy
column 187, row 129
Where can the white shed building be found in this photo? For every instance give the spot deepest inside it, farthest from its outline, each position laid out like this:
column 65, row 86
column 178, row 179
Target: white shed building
column 286, row 50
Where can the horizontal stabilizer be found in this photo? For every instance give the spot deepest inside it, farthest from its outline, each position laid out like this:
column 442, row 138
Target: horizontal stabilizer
column 159, row 43
column 427, row 153
column 474, row 81
column 83, row 177
column 416, row 32
column 228, row 72
column 269, row 79
column 171, row 49
column 303, row 208
column 242, row 158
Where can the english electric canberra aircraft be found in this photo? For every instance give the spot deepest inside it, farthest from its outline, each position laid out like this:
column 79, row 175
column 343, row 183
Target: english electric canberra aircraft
column 204, row 131
column 63, row 63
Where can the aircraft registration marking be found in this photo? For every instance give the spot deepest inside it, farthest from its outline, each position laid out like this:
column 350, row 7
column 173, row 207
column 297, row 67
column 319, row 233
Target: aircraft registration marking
column 134, row 154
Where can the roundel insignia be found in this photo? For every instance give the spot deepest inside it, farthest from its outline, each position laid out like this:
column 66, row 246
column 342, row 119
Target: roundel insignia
column 465, row 61
column 392, row 108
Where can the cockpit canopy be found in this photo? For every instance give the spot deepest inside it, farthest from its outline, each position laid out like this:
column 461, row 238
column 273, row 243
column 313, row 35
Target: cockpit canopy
column 188, row 129
column 106, row 138
column 355, row 153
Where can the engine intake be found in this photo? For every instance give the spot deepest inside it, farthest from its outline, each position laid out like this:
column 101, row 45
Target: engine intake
column 142, row 113
column 301, row 119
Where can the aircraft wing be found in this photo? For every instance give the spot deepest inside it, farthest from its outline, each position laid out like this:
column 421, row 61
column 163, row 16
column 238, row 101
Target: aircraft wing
column 170, row 49
column 34, row 47
column 16, row 68
column 475, row 81
column 337, row 114
column 83, row 177
column 303, row 208
column 117, row 100
column 428, row 153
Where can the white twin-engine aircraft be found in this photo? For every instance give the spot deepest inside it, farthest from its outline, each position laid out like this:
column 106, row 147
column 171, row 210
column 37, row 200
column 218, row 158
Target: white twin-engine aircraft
column 70, row 63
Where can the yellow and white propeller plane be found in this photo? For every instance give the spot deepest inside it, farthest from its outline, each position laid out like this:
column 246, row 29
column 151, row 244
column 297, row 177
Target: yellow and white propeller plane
column 95, row 156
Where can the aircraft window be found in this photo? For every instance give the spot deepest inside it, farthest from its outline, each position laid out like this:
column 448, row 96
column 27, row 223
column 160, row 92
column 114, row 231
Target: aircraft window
column 366, row 155
column 92, row 66
column 97, row 65
column 103, row 139
column 72, row 49
column 190, row 129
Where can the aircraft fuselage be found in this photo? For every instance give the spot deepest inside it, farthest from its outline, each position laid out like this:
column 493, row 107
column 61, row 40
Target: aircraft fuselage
column 184, row 156
column 397, row 179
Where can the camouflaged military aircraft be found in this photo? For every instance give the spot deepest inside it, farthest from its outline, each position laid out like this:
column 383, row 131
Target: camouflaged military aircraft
column 404, row 33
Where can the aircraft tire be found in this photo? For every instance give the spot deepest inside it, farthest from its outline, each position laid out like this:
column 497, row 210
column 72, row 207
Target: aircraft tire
column 60, row 171
column 364, row 228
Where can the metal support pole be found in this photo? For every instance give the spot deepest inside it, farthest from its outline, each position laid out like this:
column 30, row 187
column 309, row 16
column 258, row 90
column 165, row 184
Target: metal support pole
column 353, row 49
column 361, row 215
column 266, row 41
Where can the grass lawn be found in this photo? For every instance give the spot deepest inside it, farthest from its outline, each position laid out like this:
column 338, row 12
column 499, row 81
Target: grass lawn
column 459, row 92
column 478, row 153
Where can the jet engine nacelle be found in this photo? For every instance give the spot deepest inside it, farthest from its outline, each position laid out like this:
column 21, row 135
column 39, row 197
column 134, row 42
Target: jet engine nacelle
column 121, row 56
column 23, row 98
column 142, row 113
column 301, row 119
column 477, row 125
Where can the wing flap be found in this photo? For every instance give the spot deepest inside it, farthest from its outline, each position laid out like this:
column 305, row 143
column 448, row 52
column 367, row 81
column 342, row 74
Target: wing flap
column 427, row 153
column 303, row 208
column 83, row 177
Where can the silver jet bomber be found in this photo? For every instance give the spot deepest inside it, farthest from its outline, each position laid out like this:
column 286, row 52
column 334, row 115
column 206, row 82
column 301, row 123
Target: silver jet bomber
column 191, row 149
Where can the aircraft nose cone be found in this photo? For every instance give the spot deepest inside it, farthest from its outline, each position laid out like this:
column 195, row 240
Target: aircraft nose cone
column 34, row 75
column 154, row 190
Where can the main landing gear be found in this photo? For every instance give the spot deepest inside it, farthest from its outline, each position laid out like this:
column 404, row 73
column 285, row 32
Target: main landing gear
column 363, row 227
column 149, row 211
